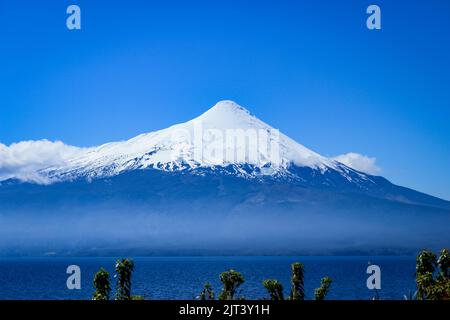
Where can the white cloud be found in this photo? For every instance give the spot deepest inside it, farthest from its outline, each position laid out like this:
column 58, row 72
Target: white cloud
column 359, row 162
column 24, row 159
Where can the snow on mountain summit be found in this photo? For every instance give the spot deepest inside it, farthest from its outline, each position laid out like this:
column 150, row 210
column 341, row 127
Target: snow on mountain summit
column 228, row 114
column 226, row 134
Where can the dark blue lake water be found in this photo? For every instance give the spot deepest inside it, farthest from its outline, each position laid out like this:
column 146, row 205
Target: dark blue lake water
column 183, row 277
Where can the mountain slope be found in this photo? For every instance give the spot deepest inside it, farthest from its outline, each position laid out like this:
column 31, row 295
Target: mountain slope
column 147, row 212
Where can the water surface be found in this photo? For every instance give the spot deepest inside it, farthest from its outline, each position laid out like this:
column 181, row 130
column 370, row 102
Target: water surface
column 183, row 277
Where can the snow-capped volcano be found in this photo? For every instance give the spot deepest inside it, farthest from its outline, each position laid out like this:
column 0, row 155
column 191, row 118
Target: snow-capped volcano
column 224, row 182
column 225, row 135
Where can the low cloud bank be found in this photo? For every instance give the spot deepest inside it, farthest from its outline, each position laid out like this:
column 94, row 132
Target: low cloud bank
column 23, row 160
column 359, row 162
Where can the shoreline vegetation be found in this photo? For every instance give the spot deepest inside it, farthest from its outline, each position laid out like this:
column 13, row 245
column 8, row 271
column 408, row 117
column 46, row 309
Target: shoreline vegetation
column 432, row 281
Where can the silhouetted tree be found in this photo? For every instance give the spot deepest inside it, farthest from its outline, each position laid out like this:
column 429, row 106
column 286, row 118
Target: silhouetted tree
column 297, row 282
column 425, row 267
column 444, row 263
column 321, row 292
column 274, row 288
column 425, row 262
column 207, row 292
column 428, row 287
column 102, row 285
column 231, row 281
column 124, row 270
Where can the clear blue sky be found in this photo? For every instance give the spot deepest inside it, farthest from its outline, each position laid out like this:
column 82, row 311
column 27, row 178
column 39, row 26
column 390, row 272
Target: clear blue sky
column 310, row 68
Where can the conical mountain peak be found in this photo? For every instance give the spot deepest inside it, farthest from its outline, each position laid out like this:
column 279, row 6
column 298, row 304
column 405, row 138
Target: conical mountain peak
column 227, row 114
column 177, row 147
column 228, row 106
